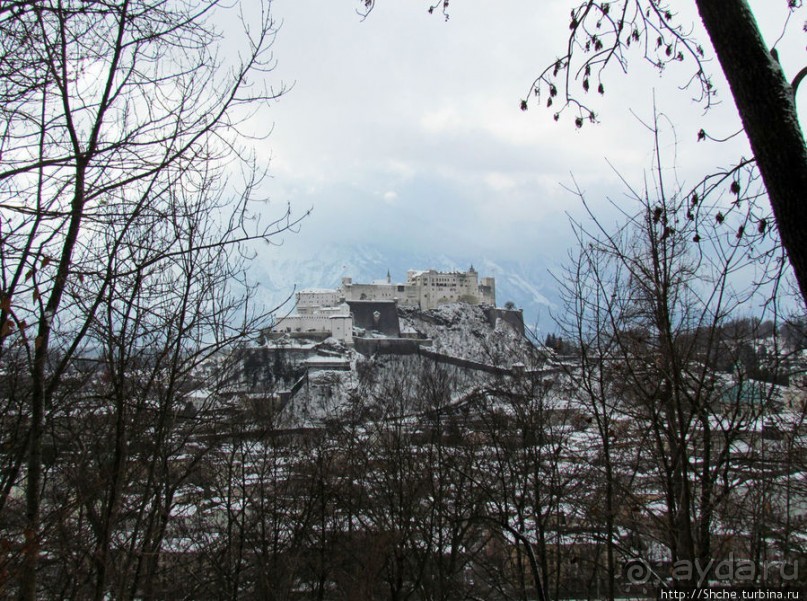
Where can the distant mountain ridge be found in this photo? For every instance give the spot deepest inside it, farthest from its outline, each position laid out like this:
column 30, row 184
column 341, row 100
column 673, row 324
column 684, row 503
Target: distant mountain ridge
column 526, row 283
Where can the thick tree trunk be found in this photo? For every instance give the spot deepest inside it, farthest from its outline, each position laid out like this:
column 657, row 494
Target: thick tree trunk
column 40, row 393
column 767, row 107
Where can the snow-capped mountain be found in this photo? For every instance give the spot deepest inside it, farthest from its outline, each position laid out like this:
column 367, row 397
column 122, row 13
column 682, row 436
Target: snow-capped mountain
column 527, row 283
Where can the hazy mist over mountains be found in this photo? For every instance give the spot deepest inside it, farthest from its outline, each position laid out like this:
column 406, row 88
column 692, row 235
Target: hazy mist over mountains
column 526, row 282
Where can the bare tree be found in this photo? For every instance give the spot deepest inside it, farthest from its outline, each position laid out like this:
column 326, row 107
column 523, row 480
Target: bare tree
column 649, row 307
column 116, row 118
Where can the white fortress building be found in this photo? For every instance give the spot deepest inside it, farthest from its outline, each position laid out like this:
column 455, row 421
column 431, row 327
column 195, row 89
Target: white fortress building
column 334, row 320
column 325, row 311
column 427, row 289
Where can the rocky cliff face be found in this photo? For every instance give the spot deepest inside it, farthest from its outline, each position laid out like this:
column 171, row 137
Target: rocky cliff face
column 484, row 345
column 466, row 331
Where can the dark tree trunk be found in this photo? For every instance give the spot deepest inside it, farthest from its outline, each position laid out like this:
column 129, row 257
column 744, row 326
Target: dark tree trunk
column 765, row 100
column 41, row 392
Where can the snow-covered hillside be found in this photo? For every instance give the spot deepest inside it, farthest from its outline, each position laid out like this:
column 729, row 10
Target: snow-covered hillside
column 456, row 330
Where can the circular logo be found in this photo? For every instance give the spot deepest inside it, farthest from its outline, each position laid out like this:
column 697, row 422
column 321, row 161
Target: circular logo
column 637, row 571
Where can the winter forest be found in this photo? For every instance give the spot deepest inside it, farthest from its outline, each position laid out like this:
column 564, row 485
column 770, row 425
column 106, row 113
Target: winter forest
column 159, row 440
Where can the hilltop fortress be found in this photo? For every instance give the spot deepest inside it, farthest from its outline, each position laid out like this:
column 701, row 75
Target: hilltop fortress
column 425, row 290
column 332, row 311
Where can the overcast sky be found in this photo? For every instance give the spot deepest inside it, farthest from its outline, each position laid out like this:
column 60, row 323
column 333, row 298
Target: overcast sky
column 403, row 131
